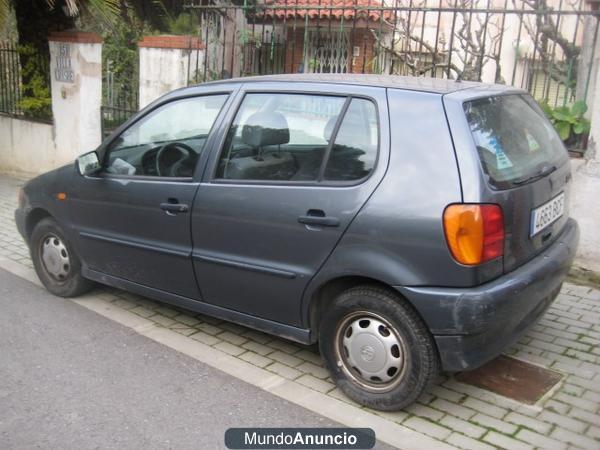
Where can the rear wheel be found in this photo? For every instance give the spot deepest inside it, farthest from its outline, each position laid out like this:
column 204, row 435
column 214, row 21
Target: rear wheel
column 378, row 350
column 55, row 261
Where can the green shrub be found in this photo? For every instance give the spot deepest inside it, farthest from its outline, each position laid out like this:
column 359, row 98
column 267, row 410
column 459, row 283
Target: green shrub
column 36, row 100
column 570, row 123
column 183, row 24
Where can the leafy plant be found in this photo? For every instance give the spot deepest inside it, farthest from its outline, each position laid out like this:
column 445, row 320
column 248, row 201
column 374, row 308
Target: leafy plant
column 569, row 122
column 183, row 24
column 249, row 37
column 120, row 59
column 36, row 101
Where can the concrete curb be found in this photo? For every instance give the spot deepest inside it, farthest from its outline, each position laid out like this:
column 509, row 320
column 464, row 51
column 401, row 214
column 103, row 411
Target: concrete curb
column 385, row 430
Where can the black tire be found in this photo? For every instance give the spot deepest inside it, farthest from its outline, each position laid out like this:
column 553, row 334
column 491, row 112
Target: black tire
column 69, row 284
column 419, row 361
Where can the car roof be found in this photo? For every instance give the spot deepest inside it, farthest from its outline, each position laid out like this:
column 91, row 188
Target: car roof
column 422, row 84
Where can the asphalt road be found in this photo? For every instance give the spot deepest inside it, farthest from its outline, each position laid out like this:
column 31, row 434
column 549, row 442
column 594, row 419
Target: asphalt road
column 70, row 378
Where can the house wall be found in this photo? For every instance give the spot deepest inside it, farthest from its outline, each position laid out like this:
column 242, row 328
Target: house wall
column 361, row 38
column 294, row 55
column 364, row 40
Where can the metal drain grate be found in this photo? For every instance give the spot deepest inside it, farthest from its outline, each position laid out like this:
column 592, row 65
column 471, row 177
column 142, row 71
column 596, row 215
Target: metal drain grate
column 512, row 378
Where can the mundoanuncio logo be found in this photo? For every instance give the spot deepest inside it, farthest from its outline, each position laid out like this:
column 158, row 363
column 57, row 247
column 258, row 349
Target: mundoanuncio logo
column 300, row 438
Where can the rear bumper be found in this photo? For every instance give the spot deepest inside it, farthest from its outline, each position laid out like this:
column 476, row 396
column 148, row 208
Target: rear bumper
column 474, row 325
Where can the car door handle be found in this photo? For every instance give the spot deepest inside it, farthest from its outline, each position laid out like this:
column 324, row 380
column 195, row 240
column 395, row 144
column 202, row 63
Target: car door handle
column 174, row 208
column 318, row 217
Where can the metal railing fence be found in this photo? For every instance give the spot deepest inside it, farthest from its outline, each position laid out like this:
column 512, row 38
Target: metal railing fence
column 119, row 93
column 10, row 79
column 545, row 46
column 24, row 92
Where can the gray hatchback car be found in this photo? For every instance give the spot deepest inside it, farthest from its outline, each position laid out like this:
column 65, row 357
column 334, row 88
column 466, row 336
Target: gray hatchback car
column 407, row 225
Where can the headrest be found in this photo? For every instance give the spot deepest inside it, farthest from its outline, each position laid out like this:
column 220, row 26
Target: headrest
column 265, row 128
column 328, row 131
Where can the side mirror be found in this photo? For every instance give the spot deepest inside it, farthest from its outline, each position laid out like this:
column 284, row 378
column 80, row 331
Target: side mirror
column 88, row 163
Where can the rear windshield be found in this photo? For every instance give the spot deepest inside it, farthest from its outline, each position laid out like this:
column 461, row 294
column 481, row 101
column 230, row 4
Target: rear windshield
column 515, row 142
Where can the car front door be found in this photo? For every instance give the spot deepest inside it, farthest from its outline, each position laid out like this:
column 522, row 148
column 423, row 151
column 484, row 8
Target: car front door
column 293, row 168
column 132, row 220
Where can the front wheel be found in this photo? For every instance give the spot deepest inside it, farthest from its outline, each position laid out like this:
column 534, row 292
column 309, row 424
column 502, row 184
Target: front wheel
column 378, row 350
column 55, row 261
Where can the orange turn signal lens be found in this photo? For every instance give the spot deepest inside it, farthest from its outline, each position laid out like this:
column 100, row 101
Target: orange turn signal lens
column 61, row 196
column 474, row 233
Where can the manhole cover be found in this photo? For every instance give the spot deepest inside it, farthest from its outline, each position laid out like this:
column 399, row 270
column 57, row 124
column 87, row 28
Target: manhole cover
column 521, row 381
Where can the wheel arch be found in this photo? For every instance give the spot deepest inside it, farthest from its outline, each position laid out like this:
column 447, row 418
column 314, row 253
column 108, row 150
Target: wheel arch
column 33, row 218
column 324, row 295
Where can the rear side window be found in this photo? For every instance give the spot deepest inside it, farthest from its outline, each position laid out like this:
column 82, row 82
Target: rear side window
column 355, row 148
column 300, row 138
column 514, row 140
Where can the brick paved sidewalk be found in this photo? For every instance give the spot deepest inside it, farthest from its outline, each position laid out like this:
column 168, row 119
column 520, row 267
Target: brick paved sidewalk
column 567, row 340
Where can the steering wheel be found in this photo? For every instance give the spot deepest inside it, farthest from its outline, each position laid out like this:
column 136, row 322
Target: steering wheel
column 184, row 151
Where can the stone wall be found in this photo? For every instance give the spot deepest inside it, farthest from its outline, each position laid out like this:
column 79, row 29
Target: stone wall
column 30, row 147
column 27, row 147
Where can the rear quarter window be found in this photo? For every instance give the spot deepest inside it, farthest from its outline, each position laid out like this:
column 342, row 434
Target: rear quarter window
column 514, row 140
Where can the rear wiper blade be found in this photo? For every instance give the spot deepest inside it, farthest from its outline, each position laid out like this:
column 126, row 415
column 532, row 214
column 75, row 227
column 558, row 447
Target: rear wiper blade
column 546, row 170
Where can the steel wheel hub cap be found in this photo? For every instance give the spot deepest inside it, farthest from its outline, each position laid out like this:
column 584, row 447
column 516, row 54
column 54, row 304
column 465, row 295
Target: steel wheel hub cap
column 371, row 351
column 55, row 258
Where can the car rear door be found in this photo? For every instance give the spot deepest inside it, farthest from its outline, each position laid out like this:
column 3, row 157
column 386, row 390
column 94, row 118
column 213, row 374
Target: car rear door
column 269, row 211
column 509, row 154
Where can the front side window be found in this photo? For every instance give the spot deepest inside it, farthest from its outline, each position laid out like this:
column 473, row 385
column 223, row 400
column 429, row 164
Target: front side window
column 168, row 141
column 290, row 137
column 514, row 140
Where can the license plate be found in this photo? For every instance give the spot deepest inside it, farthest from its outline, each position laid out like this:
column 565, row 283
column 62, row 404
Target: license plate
column 545, row 215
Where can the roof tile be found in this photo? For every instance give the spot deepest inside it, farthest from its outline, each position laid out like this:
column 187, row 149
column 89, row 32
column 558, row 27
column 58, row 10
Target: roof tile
column 348, row 10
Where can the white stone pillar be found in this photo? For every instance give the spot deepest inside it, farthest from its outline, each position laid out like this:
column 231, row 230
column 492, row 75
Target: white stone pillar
column 592, row 155
column 167, row 63
column 590, row 65
column 76, row 85
column 586, row 173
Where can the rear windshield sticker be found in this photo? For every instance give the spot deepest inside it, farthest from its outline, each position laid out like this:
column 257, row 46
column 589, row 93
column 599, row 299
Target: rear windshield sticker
column 502, row 161
column 531, row 142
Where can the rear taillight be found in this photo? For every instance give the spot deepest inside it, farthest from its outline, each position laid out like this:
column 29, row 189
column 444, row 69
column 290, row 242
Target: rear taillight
column 475, row 233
